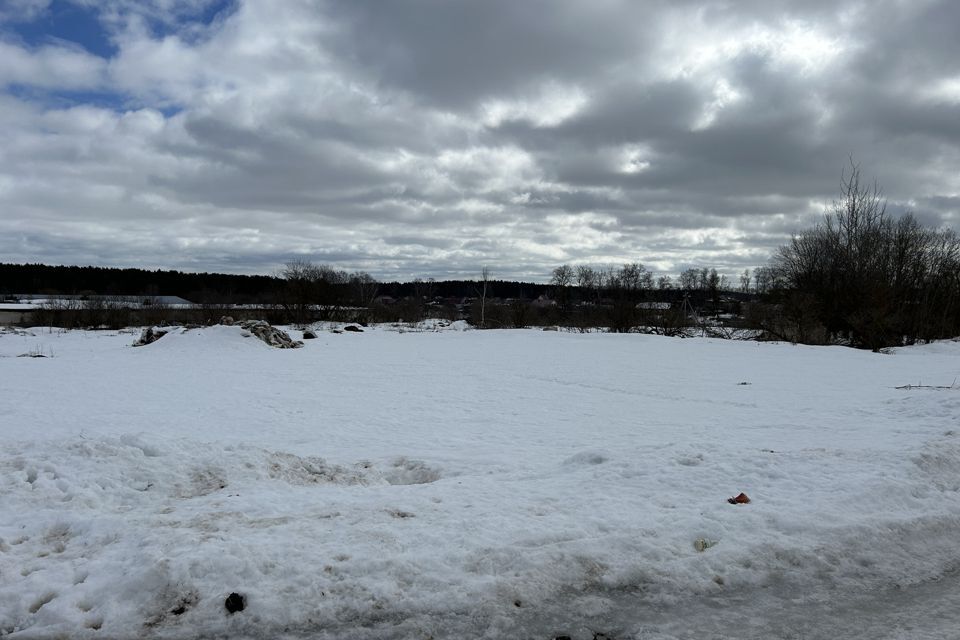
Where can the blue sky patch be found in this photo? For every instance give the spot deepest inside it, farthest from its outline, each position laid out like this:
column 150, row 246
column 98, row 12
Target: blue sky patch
column 205, row 16
column 68, row 22
column 65, row 98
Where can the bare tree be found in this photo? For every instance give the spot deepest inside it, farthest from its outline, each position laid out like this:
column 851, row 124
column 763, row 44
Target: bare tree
column 762, row 279
column 869, row 279
column 627, row 285
column 590, row 281
column 365, row 288
column 634, row 276
column 713, row 284
column 689, row 279
column 562, row 278
column 311, row 290
column 586, row 277
column 300, row 292
column 484, row 282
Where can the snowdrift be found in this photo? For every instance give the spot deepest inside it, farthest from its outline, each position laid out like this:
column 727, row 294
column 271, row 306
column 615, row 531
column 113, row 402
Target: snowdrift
column 477, row 484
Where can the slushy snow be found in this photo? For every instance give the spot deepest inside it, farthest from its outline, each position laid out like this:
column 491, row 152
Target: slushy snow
column 475, row 484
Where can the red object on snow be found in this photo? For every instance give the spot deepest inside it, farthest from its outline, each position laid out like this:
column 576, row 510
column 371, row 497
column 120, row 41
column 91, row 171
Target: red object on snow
column 740, row 499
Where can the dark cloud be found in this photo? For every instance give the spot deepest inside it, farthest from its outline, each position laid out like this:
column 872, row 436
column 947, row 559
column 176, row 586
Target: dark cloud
column 458, row 53
column 432, row 137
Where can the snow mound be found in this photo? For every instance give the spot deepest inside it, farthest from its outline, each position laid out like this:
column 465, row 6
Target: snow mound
column 267, row 333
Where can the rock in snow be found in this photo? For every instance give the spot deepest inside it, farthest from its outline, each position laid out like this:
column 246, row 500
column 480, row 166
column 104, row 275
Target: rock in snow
column 149, row 335
column 234, row 603
column 270, row 334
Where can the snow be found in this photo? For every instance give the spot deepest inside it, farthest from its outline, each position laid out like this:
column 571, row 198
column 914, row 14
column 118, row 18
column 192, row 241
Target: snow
column 449, row 484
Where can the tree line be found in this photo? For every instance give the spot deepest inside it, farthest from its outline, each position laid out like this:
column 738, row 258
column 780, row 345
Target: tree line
column 202, row 288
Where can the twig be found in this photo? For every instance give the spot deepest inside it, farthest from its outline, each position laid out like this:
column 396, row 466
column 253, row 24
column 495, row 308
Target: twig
column 929, row 386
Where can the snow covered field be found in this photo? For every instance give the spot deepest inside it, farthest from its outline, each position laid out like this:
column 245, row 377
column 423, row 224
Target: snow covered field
column 465, row 484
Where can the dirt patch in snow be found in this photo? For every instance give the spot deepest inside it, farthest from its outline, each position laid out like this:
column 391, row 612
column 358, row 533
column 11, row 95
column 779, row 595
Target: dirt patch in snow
column 270, row 334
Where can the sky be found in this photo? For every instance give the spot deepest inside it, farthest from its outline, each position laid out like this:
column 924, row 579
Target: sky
column 430, row 138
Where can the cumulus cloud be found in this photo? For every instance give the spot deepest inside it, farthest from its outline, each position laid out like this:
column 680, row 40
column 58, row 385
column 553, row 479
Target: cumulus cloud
column 428, row 137
column 50, row 67
column 22, row 10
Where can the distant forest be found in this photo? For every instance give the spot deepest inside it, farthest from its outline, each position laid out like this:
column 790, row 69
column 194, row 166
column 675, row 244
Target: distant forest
column 209, row 288
column 73, row 280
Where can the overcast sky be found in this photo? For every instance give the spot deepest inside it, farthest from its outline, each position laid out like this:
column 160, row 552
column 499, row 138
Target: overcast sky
column 431, row 137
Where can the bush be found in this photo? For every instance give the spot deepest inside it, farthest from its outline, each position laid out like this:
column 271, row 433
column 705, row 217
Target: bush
column 870, row 279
